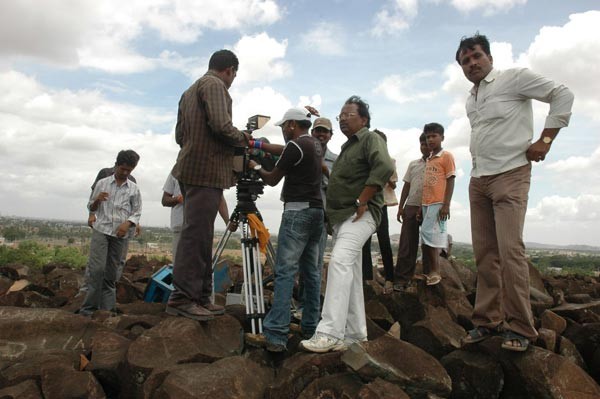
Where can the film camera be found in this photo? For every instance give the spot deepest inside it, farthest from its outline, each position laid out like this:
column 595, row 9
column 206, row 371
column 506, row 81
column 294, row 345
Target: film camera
column 249, row 185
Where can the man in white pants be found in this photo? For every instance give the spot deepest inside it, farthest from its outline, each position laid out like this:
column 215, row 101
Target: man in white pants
column 354, row 202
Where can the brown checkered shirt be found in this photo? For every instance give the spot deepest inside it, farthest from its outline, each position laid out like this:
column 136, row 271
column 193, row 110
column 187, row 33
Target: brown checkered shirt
column 206, row 135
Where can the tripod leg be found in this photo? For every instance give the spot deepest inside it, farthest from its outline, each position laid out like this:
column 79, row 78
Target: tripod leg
column 260, row 300
column 220, row 247
column 247, row 264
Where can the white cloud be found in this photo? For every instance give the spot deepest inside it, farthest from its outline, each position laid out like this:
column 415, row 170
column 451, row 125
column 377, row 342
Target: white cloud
column 489, row 7
column 583, row 208
column 395, row 17
column 53, row 142
column 570, row 54
column 102, row 34
column 325, row 38
column 261, row 58
column 400, row 89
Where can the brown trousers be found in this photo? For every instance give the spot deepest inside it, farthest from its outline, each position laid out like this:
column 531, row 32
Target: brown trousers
column 408, row 246
column 192, row 272
column 498, row 207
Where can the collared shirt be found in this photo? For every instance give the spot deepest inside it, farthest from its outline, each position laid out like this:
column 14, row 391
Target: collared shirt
column 438, row 169
column 414, row 177
column 206, row 135
column 329, row 159
column 501, row 117
column 363, row 161
column 172, row 187
column 124, row 203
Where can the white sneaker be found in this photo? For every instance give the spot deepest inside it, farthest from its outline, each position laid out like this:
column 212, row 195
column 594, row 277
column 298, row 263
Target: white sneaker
column 322, row 343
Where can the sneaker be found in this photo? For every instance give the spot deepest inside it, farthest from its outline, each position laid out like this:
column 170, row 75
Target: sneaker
column 322, row 343
column 215, row 309
column 190, row 310
column 273, row 347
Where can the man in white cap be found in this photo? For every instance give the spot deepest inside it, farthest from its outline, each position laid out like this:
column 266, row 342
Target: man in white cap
column 300, row 229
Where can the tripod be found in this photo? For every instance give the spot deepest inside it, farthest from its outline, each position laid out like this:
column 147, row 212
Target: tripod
column 251, row 265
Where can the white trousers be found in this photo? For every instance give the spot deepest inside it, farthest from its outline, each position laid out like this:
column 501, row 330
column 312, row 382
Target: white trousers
column 343, row 312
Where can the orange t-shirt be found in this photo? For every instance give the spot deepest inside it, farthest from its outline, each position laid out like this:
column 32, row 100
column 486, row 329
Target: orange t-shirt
column 438, row 169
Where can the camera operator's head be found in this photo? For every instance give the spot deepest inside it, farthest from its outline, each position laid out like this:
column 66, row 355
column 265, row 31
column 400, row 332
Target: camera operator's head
column 225, row 64
column 322, row 130
column 295, row 122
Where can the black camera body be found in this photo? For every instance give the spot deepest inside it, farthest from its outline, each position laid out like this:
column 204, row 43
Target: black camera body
column 249, row 184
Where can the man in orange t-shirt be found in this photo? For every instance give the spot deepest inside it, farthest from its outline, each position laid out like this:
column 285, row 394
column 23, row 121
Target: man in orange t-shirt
column 438, row 186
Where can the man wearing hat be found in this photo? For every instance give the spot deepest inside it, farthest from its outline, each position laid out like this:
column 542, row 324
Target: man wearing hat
column 301, row 227
column 322, row 130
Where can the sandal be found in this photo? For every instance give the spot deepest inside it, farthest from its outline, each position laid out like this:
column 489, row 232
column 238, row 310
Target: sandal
column 478, row 334
column 388, row 288
column 510, row 338
column 433, row 279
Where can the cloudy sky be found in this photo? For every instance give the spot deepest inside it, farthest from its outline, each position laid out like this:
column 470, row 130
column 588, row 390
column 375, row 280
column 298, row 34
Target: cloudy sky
column 82, row 79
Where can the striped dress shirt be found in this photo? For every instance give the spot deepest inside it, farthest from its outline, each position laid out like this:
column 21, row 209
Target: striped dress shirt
column 124, row 203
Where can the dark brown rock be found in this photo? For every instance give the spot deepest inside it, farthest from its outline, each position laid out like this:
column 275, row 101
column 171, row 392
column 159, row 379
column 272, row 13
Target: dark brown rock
column 552, row 321
column 180, row 340
column 344, row 385
column 62, row 383
column 30, row 368
column 142, row 308
column 539, row 373
column 22, row 329
column 404, row 308
column 437, row 334
column 377, row 312
column 586, row 339
column 374, row 330
column 581, row 313
column 25, row 390
column 399, row 362
column 15, row 271
column 109, row 350
column 128, row 322
column 381, row 389
column 5, row 284
column 233, row 378
column 474, row 375
column 567, row 349
column 127, row 292
column 467, row 277
column 579, row 298
column 300, row 370
column 547, row 339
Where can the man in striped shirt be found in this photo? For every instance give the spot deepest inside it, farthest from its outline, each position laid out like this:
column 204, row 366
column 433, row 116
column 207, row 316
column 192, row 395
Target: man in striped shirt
column 204, row 168
column 117, row 203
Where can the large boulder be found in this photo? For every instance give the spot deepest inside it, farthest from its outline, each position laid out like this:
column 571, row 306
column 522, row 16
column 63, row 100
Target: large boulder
column 25, row 390
column 108, row 355
column 474, row 375
column 580, row 312
column 437, row 333
column 61, row 383
column 181, row 340
column 343, row 385
column 399, row 362
column 232, row 378
column 300, row 370
column 30, row 368
column 25, row 332
column 539, row 373
column 381, row 389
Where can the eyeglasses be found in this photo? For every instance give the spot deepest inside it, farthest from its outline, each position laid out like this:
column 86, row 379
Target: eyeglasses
column 345, row 115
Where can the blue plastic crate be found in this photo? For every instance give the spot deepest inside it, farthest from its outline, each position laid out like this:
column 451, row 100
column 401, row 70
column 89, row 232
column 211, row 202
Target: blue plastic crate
column 160, row 286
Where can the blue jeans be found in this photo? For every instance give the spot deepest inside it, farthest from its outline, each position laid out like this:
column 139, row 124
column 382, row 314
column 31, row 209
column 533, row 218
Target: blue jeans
column 297, row 250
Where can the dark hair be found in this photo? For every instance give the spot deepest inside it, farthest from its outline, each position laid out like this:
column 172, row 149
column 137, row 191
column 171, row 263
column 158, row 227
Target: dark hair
column 469, row 43
column 127, row 157
column 422, row 137
column 363, row 108
column 223, row 59
column 433, row 128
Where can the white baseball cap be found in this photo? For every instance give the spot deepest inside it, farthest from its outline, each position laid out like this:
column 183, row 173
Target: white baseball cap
column 294, row 114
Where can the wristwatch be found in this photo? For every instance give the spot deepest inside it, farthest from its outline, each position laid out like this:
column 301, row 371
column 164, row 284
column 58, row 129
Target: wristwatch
column 358, row 204
column 547, row 140
column 257, row 167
